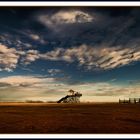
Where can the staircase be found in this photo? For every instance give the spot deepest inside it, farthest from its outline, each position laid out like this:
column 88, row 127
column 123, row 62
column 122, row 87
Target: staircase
column 74, row 98
column 62, row 99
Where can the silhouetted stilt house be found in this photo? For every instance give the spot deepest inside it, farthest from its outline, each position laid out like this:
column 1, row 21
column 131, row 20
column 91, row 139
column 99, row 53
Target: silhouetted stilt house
column 73, row 97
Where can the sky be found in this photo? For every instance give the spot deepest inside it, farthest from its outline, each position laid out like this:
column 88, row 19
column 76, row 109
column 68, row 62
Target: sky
column 45, row 51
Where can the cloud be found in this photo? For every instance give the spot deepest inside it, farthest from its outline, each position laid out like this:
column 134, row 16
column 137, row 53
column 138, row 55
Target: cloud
column 65, row 17
column 34, row 36
column 95, row 58
column 30, row 56
column 112, row 80
column 89, row 57
column 4, row 84
column 53, row 72
column 22, row 81
column 8, row 58
column 20, row 88
column 103, row 48
column 17, row 80
column 39, row 38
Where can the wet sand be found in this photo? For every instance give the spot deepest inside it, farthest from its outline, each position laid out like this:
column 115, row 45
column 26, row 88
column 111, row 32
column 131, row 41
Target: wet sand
column 44, row 118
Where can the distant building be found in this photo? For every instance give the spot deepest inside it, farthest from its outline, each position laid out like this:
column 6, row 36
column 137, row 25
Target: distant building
column 73, row 97
column 130, row 101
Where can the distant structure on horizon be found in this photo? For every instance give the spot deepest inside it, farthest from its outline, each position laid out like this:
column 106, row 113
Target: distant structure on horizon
column 130, row 101
column 73, row 97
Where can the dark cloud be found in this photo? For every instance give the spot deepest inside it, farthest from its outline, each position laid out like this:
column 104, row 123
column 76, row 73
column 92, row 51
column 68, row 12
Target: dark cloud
column 74, row 45
column 2, row 84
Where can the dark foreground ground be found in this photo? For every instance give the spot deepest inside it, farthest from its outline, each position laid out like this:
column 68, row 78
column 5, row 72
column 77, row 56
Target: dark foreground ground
column 69, row 118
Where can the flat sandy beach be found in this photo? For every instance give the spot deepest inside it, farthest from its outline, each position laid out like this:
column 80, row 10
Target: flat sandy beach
column 45, row 118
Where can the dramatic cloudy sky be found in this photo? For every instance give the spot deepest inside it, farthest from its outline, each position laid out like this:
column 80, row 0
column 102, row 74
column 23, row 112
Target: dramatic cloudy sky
column 46, row 51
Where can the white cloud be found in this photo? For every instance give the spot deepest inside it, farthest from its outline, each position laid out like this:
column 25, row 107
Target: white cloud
column 44, row 88
column 53, row 72
column 17, row 80
column 30, row 56
column 90, row 57
column 8, row 58
column 32, row 83
column 34, row 36
column 65, row 17
column 20, row 88
column 102, row 58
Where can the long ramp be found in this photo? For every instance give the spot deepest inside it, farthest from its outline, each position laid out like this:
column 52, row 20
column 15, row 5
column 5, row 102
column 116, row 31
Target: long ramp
column 73, row 98
column 62, row 99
